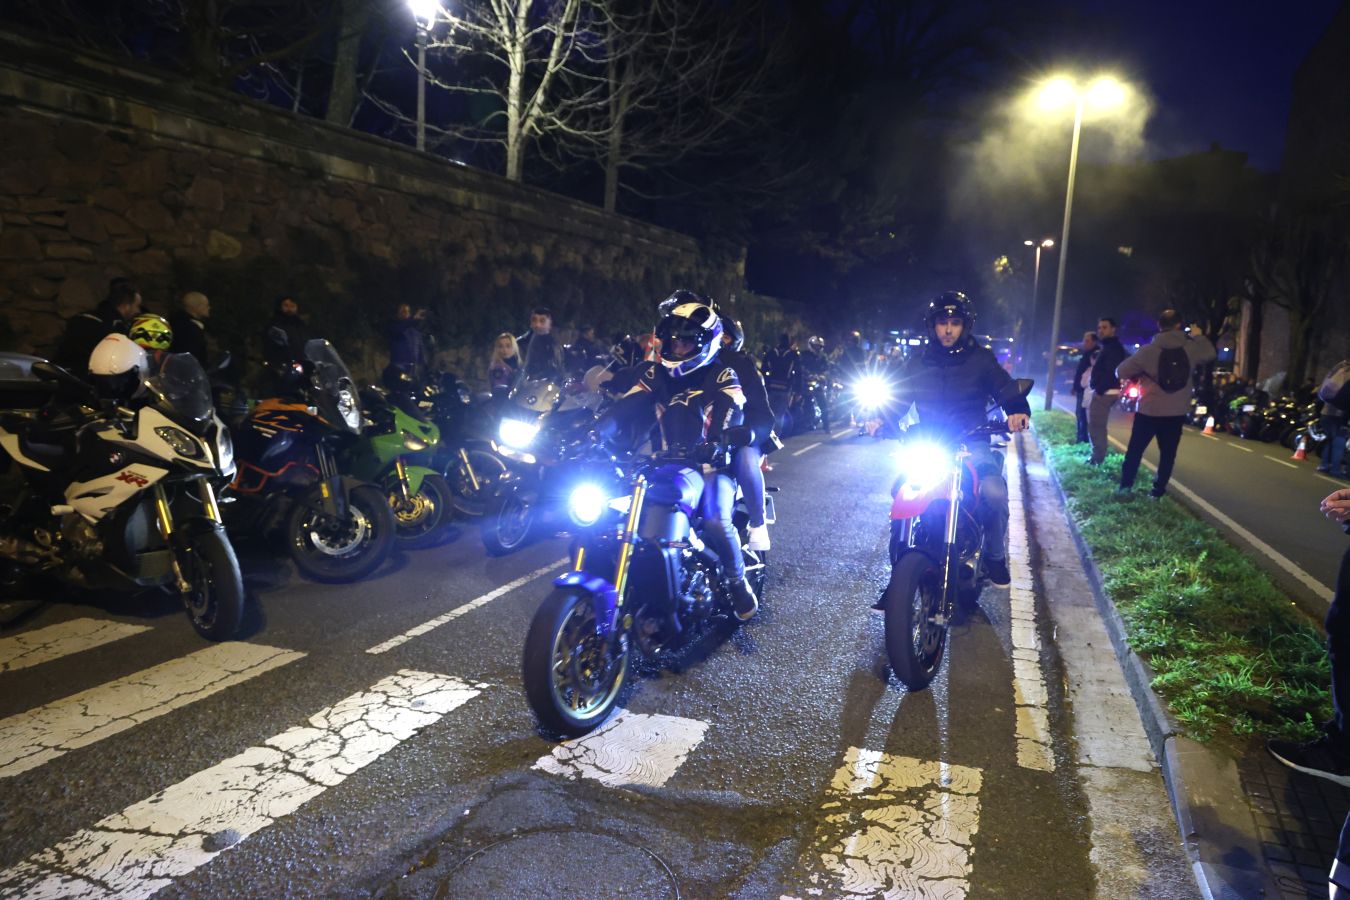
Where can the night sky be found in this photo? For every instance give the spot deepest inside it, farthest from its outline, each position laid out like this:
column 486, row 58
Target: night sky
column 1218, row 71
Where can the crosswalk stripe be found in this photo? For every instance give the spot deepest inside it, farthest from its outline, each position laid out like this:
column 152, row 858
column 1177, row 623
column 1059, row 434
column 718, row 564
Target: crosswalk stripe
column 35, row 737
column 631, row 748
column 63, row 639
column 893, row 826
column 432, row 624
column 142, row 849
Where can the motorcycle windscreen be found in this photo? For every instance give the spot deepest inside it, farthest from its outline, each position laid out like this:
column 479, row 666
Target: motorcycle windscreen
column 337, row 390
column 182, row 391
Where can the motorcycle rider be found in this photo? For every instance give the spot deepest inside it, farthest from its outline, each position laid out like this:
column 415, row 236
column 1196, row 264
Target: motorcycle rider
column 758, row 417
column 814, row 362
column 950, row 384
column 780, row 377
column 697, row 400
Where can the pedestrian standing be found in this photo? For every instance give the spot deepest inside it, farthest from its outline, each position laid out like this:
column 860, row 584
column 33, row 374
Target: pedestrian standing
column 503, row 364
column 1335, row 395
column 540, row 352
column 285, row 336
column 1105, row 387
column 1080, row 384
column 1165, row 367
column 189, row 325
column 1329, row 756
column 407, row 348
column 112, row 316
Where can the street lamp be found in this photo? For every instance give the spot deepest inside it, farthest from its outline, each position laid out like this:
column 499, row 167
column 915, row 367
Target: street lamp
column 1046, row 244
column 1102, row 93
column 424, row 13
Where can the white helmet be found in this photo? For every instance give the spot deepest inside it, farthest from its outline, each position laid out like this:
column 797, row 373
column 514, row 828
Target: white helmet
column 117, row 366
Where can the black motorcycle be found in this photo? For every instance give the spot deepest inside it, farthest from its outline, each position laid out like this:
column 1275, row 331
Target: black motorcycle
column 118, row 495
column 643, row 582
column 465, row 454
column 335, row 527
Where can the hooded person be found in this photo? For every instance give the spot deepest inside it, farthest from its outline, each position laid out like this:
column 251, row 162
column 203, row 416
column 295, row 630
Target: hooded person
column 285, row 335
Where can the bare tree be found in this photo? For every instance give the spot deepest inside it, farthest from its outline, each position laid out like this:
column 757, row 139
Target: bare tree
column 342, row 96
column 1296, row 266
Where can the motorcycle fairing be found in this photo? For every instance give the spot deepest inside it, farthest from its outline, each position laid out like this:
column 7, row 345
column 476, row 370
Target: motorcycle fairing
column 94, row 499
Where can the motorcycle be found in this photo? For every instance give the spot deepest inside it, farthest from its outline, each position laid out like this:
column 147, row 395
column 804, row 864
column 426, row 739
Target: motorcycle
column 936, row 546
column 119, row 496
column 394, row 452
column 810, row 410
column 870, row 394
column 336, row 528
column 464, row 455
column 642, row 582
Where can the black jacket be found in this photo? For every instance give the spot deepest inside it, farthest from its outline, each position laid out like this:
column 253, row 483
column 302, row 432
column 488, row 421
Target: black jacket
column 189, row 336
column 758, row 414
column 541, row 354
column 284, row 339
column 952, row 390
column 690, row 410
column 83, row 332
column 1108, row 356
column 780, row 369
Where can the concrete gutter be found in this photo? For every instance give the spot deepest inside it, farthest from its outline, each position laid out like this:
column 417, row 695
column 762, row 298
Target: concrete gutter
column 1218, row 831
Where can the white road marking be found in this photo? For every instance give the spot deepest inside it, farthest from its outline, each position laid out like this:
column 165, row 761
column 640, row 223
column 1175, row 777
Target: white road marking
column 807, row 447
column 1234, row 446
column 1029, row 693
column 839, row 434
column 142, row 849
column 1281, row 462
column 433, row 624
column 32, row 738
column 631, row 748
column 1336, row 481
column 894, row 826
column 1270, row 552
column 55, row 641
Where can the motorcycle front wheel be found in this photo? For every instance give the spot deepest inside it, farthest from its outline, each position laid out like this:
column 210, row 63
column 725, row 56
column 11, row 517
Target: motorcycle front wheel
column 487, row 470
column 572, row 678
column 914, row 642
column 332, row 549
column 507, row 523
column 215, row 601
column 421, row 520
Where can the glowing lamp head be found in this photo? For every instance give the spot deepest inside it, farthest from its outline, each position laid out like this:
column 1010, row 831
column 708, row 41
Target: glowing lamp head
column 586, row 504
column 424, row 11
column 1057, row 93
column 1105, row 92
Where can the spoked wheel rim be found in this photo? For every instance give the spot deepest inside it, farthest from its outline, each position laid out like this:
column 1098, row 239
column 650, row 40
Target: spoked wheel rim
column 416, row 517
column 487, row 468
column 585, row 677
column 925, row 636
column 513, row 521
column 200, row 601
column 333, row 537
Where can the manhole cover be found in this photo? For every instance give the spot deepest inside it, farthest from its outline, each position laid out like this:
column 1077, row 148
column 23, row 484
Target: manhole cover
column 560, row 864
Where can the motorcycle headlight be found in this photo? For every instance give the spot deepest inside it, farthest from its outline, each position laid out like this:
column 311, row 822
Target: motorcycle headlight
column 224, row 448
column 181, row 442
column 464, row 396
column 413, row 444
column 517, row 433
column 349, row 409
column 922, row 465
column 587, row 504
column 872, row 391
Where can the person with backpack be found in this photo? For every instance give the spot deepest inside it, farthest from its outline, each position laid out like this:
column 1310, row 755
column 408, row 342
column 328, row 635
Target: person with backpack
column 1335, row 395
column 1164, row 368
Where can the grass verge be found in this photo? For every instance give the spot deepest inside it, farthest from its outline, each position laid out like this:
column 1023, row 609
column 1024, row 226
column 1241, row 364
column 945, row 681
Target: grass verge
column 1230, row 653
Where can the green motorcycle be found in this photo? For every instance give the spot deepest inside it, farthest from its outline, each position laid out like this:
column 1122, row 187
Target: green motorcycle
column 395, row 452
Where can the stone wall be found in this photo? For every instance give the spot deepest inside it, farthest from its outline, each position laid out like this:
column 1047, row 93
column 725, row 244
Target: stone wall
column 107, row 170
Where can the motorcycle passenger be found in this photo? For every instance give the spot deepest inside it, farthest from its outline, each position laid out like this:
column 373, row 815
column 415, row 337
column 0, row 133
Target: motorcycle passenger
column 950, row 383
column 758, row 417
column 780, row 377
column 697, row 399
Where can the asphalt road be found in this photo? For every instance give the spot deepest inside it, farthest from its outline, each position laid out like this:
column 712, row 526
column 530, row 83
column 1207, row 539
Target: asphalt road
column 1262, row 500
column 368, row 739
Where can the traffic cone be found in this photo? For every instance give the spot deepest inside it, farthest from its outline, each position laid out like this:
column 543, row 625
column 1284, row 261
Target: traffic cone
column 1302, row 451
column 1209, row 426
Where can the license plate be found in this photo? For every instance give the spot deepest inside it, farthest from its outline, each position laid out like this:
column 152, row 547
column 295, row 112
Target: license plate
column 1249, row 407
column 1201, row 410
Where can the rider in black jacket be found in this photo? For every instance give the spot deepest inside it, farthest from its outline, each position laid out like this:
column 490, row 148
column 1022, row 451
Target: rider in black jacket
column 950, row 385
column 696, row 397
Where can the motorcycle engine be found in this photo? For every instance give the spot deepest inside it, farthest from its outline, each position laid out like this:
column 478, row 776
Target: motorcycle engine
column 696, row 592
column 84, row 541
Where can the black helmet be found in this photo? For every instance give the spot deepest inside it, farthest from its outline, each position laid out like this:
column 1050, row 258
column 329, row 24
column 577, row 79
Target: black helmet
column 951, row 305
column 693, row 321
column 732, row 329
column 680, row 296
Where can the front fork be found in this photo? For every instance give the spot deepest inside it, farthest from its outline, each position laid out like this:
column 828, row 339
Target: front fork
column 949, row 549
column 473, row 477
column 164, row 519
column 620, row 623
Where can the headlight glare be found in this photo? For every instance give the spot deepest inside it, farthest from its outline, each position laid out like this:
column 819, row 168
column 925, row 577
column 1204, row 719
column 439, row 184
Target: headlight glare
column 413, row 444
column 923, row 465
column 587, row 504
column 517, row 433
column 872, row 391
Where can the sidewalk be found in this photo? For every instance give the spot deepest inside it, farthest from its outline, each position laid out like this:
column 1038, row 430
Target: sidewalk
column 1251, row 827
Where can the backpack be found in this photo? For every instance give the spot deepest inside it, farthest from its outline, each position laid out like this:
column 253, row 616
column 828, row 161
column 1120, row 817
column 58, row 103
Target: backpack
column 1174, row 369
column 1335, row 388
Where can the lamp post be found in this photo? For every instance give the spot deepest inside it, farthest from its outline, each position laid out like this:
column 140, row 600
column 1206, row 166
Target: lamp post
column 424, row 13
column 1104, row 92
column 1035, row 283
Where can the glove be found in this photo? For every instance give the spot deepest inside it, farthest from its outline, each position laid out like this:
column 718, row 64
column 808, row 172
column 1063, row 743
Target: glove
column 710, row 454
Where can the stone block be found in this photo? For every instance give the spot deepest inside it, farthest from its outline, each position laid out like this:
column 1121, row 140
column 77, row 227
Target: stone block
column 42, row 288
column 236, row 218
column 33, row 205
column 221, row 246
column 149, row 262
column 129, row 243
column 19, row 245
column 22, row 179
column 345, row 214
column 67, row 250
column 15, row 219
column 150, row 215
column 76, row 295
column 84, row 223
column 50, row 220
column 111, row 198
column 206, row 193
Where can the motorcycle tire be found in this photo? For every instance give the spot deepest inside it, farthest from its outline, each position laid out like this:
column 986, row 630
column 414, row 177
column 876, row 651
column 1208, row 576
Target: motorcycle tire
column 508, row 523
column 914, row 643
column 432, row 509
column 487, row 468
column 215, row 604
column 346, row 551
column 571, row 681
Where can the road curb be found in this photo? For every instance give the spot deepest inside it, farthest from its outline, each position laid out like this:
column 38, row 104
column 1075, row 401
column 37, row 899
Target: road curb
column 1218, row 830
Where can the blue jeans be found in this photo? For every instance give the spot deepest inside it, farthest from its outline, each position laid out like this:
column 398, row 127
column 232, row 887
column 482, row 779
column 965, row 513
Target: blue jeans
column 992, row 507
column 1333, row 456
column 751, row 478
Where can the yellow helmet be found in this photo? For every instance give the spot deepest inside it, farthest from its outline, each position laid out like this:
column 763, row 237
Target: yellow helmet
column 151, row 331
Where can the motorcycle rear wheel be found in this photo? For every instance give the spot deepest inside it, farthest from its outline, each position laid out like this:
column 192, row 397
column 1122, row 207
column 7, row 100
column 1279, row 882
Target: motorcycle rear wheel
column 572, row 681
column 914, row 643
column 420, row 524
column 346, row 550
column 508, row 522
column 215, row 604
